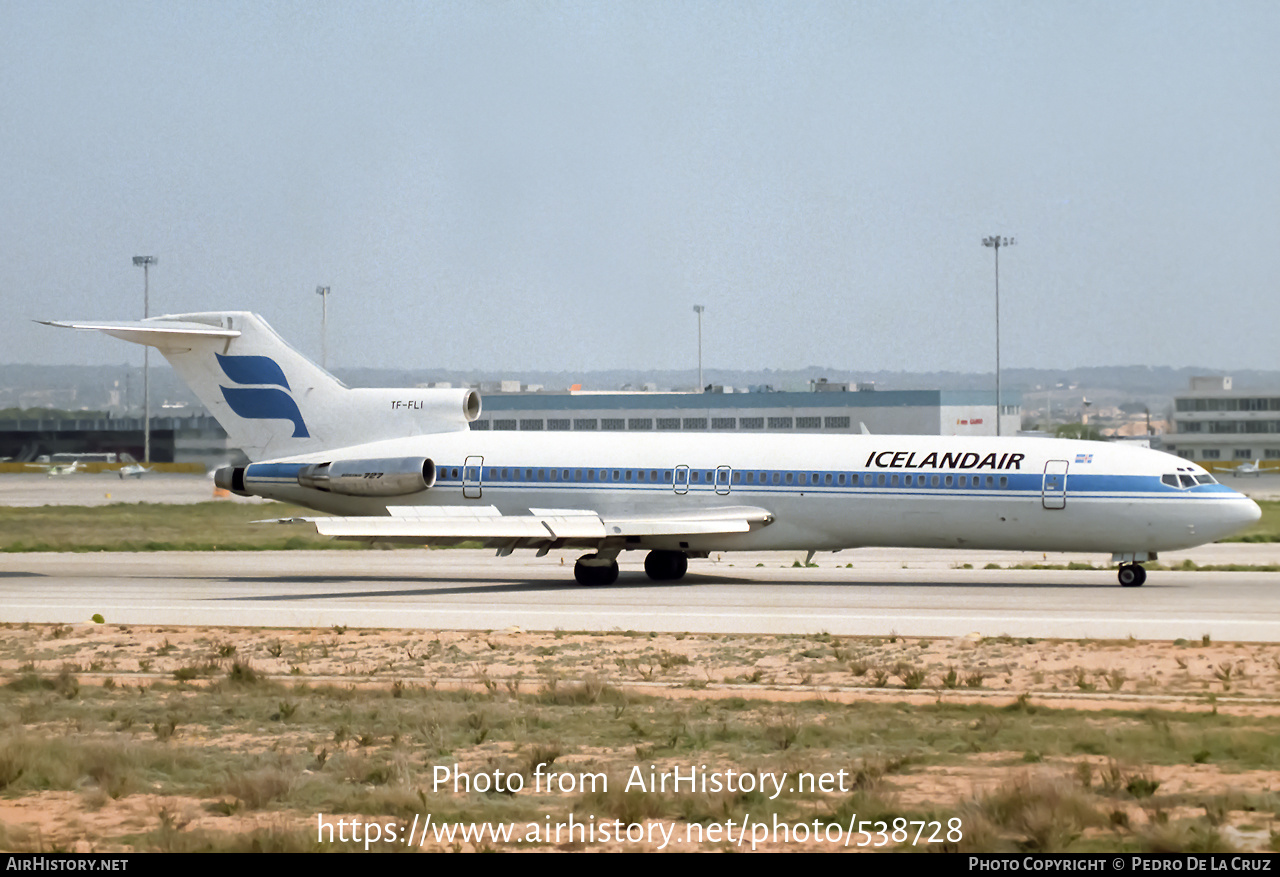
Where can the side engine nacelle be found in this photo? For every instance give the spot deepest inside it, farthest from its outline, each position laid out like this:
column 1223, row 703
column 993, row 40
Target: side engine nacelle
column 231, row 478
column 392, row 476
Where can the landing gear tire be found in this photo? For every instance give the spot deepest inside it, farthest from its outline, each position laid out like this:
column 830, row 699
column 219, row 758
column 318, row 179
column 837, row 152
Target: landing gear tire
column 589, row 573
column 1132, row 575
column 666, row 566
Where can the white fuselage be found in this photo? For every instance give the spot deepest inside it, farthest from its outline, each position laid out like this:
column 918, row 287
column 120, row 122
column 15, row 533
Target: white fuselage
column 824, row 492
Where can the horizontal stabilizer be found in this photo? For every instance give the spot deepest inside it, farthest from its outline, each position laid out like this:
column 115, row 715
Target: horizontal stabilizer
column 157, row 333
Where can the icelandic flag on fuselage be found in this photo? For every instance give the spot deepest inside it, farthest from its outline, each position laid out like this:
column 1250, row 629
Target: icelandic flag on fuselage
column 263, row 402
column 1084, row 458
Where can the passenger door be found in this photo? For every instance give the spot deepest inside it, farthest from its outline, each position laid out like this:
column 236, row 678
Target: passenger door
column 472, row 476
column 1053, row 492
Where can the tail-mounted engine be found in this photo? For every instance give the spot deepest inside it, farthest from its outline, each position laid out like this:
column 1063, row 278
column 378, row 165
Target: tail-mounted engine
column 394, row 476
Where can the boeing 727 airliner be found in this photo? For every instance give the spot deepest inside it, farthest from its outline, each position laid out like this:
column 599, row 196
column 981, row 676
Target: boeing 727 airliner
column 403, row 466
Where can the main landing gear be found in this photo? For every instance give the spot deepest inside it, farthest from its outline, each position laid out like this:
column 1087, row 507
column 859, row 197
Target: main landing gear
column 1132, row 575
column 661, row 566
column 666, row 566
column 591, row 569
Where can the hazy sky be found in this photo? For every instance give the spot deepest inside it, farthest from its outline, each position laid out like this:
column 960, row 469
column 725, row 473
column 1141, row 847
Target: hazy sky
column 554, row 185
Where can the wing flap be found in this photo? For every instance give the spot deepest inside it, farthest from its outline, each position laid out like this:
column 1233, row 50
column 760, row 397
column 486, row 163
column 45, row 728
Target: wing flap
column 710, row 521
column 485, row 523
column 501, row 527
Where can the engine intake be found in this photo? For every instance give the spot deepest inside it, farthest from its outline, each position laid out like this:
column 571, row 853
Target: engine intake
column 393, row 476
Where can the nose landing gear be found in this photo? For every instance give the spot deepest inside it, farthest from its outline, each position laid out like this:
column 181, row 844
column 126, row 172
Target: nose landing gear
column 1132, row 575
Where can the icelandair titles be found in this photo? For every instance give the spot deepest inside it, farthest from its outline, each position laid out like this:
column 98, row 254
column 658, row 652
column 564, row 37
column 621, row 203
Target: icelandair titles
column 934, row 460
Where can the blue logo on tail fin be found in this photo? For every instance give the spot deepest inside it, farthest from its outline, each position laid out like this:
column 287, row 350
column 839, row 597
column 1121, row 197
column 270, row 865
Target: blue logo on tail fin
column 266, row 403
column 260, row 403
column 253, row 370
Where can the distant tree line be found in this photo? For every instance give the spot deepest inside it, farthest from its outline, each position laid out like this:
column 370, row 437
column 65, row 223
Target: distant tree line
column 1078, row 431
column 49, row 414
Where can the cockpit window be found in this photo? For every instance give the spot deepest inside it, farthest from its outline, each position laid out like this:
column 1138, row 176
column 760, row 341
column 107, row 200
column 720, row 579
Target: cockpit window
column 1171, row 480
column 1187, row 481
column 1205, row 479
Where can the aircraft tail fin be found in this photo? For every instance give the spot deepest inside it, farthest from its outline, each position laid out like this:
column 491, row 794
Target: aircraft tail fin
column 273, row 401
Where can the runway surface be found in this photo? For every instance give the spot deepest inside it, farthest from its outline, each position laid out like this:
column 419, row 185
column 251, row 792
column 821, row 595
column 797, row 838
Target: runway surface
column 473, row 590
column 916, row 593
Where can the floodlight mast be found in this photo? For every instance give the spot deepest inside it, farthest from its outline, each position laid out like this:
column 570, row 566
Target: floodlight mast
column 146, row 262
column 323, row 292
column 698, row 309
column 996, row 242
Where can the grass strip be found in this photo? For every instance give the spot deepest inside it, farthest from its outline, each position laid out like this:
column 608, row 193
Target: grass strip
column 207, row 526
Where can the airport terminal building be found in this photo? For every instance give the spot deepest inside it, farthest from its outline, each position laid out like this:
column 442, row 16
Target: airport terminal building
column 1220, row 427
column 828, row 408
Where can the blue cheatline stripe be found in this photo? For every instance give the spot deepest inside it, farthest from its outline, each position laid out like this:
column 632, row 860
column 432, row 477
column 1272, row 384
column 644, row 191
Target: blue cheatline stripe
column 1078, row 485
column 253, row 370
column 1025, row 486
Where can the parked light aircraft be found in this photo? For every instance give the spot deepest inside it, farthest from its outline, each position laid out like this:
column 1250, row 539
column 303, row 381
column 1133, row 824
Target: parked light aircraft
column 1252, row 467
column 53, row 469
column 133, row 470
column 402, row 465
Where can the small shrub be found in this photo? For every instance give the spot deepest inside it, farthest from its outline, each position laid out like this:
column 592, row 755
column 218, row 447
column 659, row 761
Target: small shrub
column 1142, row 786
column 784, row 733
column 540, row 755
column 912, row 677
column 258, row 788
column 243, row 673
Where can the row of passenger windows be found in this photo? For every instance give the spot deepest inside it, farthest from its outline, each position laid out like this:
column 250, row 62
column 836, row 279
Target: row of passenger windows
column 723, row 476
column 663, row 423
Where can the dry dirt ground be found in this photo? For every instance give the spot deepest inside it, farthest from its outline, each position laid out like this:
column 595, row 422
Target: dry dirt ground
column 1012, row 736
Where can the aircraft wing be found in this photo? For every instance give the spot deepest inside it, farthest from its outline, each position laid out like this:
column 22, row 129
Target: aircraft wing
column 539, row 528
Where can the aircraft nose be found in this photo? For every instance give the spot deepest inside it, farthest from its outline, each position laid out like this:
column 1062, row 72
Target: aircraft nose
column 1235, row 515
